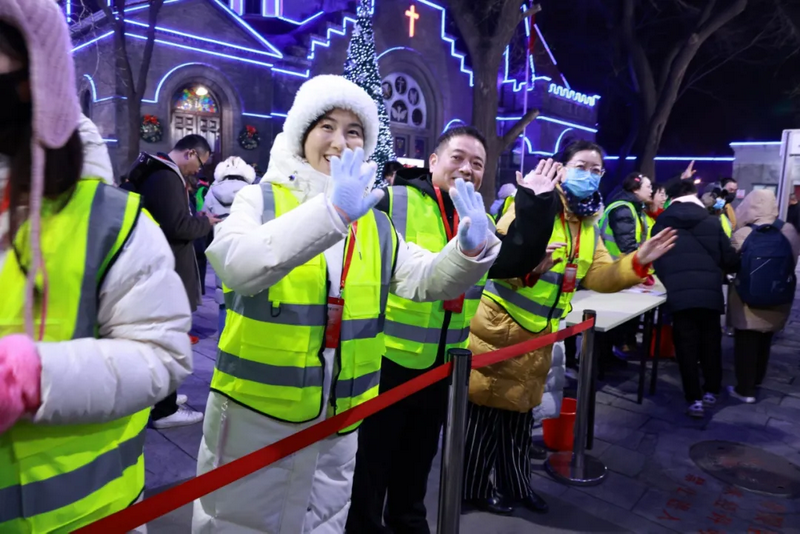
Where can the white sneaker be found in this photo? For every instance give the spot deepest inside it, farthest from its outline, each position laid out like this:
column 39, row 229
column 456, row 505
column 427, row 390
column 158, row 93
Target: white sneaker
column 709, row 399
column 696, row 410
column 183, row 417
column 746, row 400
column 181, row 400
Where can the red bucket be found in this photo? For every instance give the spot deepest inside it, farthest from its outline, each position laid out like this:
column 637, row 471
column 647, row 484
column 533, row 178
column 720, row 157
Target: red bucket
column 559, row 433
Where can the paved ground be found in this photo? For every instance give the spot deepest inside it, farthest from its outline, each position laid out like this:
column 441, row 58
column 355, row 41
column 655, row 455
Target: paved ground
column 652, row 486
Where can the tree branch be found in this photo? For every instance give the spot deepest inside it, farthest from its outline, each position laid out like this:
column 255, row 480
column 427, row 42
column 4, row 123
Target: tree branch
column 125, row 72
column 734, row 8
column 147, row 56
column 707, row 10
column 516, row 130
column 529, row 12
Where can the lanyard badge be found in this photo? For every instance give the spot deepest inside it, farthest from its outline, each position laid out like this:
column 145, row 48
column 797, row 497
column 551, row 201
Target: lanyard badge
column 333, row 328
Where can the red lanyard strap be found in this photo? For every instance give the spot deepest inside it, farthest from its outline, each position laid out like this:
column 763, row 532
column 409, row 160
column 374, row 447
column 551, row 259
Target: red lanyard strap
column 348, row 258
column 449, row 232
column 574, row 252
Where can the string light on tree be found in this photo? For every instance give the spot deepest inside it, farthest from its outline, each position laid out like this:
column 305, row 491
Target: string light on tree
column 361, row 67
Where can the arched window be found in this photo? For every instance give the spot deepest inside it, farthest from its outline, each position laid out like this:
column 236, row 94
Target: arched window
column 196, row 99
column 404, row 100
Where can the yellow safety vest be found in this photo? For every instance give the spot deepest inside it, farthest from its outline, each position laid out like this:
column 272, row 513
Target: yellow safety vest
column 506, row 203
column 726, row 225
column 58, row 478
column 270, row 354
column 608, row 234
column 650, row 221
column 418, row 332
column 534, row 308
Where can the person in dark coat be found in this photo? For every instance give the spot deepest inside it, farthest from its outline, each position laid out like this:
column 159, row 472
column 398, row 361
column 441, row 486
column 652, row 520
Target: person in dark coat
column 165, row 190
column 693, row 273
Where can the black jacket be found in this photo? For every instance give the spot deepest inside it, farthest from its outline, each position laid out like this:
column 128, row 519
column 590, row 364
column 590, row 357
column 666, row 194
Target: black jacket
column 526, row 241
column 793, row 216
column 693, row 271
column 165, row 196
column 623, row 224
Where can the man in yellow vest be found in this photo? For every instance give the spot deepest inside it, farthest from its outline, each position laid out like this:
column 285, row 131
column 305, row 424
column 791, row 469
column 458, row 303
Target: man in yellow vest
column 397, row 445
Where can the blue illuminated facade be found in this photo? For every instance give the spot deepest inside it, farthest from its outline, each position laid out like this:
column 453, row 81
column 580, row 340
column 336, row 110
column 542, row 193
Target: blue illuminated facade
column 252, row 56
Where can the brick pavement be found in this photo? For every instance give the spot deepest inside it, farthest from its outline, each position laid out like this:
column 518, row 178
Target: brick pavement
column 652, row 486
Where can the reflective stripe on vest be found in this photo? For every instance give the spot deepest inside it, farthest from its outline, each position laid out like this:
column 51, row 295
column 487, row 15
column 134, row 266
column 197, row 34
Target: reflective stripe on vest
column 650, row 223
column 63, row 477
column 609, row 239
column 534, row 308
column 415, row 330
column 726, row 225
column 269, row 356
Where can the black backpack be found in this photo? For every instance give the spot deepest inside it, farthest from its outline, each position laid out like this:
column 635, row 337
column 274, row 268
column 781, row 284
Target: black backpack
column 140, row 171
column 766, row 277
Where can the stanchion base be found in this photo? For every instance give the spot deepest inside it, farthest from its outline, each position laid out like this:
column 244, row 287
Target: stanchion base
column 561, row 468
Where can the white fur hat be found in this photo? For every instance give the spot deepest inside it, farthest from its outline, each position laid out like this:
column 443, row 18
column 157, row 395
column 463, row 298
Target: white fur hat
column 234, row 166
column 323, row 93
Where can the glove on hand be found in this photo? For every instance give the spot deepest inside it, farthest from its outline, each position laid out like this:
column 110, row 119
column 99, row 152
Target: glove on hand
column 472, row 214
column 20, row 379
column 351, row 179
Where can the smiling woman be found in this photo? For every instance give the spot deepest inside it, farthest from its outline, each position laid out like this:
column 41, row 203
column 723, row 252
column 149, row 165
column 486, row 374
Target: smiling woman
column 329, row 136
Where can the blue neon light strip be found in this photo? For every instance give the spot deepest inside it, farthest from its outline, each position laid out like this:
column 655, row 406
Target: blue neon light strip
column 755, row 143
column 445, row 38
column 301, row 22
column 87, row 43
column 677, row 158
column 327, row 44
column 449, row 124
column 111, row 140
column 209, row 52
column 257, row 115
column 94, row 87
column 569, row 94
column 249, row 28
column 197, row 37
column 555, row 121
column 558, row 141
column 393, row 49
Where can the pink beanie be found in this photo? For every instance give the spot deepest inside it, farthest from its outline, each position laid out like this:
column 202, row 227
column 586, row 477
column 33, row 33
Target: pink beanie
column 56, row 109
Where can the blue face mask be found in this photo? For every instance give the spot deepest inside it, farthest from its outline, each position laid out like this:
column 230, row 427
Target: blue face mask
column 580, row 183
column 719, row 204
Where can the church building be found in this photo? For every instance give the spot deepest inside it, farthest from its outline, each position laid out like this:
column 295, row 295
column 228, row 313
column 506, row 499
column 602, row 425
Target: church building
column 229, row 70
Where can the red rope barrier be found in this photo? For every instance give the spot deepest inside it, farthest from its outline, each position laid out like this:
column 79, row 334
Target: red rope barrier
column 173, row 498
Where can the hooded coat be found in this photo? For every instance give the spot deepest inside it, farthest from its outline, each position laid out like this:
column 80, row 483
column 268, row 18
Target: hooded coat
column 693, row 270
column 759, row 207
column 310, row 490
column 230, row 177
column 518, row 384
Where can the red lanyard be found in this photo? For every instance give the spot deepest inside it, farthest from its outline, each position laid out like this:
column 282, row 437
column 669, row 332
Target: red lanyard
column 574, row 252
column 6, row 203
column 348, row 258
column 450, row 232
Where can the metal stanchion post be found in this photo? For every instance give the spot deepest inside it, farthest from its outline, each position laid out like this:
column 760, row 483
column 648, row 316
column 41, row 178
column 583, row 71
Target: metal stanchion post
column 578, row 468
column 452, row 476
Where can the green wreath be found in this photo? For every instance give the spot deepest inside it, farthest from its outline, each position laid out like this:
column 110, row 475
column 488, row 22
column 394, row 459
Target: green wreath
column 249, row 138
column 150, row 130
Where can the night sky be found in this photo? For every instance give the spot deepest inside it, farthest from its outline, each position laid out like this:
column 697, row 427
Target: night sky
column 747, row 99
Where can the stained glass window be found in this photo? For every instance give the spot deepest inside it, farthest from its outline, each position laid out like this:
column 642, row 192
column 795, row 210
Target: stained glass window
column 196, row 99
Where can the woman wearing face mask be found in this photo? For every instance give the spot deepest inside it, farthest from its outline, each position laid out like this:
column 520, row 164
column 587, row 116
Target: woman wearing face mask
column 308, row 266
column 513, row 311
column 84, row 278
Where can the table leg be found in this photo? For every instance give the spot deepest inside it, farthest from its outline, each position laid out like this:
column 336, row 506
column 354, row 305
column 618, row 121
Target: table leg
column 648, row 338
column 657, row 351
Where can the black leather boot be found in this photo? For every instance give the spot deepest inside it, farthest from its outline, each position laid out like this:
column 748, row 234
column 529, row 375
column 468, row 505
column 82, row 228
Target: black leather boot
column 534, row 503
column 493, row 505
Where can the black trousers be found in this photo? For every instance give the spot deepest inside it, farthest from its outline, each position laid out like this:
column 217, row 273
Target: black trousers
column 165, row 407
column 396, row 447
column 751, row 354
column 698, row 346
column 500, row 440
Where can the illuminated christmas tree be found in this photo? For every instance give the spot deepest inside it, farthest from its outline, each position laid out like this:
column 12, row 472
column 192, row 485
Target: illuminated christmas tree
column 361, row 67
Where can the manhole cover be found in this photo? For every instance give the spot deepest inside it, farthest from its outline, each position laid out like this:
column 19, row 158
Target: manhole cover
column 747, row 467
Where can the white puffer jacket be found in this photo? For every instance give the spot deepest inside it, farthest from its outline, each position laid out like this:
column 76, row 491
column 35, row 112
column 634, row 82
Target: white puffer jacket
column 143, row 352
column 310, row 490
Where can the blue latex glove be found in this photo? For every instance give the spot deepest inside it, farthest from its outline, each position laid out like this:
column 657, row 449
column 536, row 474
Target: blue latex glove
column 473, row 223
column 351, row 179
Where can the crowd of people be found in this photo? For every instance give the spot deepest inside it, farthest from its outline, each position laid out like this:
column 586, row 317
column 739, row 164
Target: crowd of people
column 330, row 292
